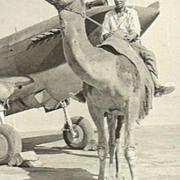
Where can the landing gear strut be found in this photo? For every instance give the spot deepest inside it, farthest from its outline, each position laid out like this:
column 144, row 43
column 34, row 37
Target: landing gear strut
column 78, row 132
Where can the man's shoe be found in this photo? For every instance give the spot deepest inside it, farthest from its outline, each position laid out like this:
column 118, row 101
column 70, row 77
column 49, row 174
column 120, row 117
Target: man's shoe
column 163, row 90
column 78, row 97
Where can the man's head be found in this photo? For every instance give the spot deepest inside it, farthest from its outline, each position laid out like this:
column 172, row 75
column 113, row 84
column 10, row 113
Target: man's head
column 120, row 3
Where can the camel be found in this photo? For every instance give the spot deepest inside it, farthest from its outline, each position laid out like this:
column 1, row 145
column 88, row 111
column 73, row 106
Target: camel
column 112, row 87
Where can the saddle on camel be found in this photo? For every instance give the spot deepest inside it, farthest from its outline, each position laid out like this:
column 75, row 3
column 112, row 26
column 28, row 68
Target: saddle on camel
column 117, row 85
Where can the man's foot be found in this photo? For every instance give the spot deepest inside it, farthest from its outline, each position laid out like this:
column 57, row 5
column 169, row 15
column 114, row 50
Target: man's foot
column 163, row 90
column 78, row 96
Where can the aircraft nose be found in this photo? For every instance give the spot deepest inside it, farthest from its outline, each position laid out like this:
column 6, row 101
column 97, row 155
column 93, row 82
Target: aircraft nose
column 6, row 89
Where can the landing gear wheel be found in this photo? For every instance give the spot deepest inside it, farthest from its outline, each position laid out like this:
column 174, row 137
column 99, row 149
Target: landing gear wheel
column 10, row 143
column 84, row 133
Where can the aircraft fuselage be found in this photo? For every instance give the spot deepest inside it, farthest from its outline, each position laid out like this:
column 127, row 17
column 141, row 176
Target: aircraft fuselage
column 37, row 52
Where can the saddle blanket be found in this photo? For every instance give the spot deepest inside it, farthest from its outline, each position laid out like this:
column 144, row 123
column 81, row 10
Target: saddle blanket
column 122, row 47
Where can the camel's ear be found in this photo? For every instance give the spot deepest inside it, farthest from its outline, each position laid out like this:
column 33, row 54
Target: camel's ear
column 55, row 3
column 82, row 2
column 59, row 3
column 52, row 2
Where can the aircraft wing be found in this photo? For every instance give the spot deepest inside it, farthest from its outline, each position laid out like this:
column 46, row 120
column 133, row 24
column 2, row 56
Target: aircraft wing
column 39, row 47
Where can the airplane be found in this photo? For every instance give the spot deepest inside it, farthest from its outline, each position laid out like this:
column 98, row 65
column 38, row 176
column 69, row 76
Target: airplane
column 34, row 74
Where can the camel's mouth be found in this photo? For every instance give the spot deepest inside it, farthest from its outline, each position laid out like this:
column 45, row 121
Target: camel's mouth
column 59, row 3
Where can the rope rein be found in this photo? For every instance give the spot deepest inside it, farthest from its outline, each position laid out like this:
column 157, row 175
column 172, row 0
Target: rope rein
column 84, row 16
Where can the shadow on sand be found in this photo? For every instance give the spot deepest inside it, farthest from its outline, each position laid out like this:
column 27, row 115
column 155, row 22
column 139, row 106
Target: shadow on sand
column 34, row 143
column 30, row 142
column 64, row 150
column 58, row 174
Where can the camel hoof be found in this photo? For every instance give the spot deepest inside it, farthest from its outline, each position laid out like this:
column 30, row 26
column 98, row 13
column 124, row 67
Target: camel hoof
column 115, row 178
column 91, row 146
column 121, row 178
column 109, row 178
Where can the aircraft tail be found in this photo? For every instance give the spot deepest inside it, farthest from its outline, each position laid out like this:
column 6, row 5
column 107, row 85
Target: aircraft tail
column 148, row 15
column 154, row 5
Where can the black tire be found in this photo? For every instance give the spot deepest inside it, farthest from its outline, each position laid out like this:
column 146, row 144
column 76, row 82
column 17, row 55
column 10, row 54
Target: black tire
column 10, row 143
column 84, row 131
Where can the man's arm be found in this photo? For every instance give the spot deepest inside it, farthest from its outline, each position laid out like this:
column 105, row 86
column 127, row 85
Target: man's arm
column 106, row 31
column 134, row 26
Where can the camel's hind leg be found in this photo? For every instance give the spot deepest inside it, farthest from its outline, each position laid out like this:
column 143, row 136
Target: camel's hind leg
column 98, row 118
column 120, row 121
column 132, row 115
column 111, row 122
column 114, row 127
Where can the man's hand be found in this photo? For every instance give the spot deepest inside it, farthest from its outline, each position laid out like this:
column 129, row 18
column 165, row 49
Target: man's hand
column 107, row 35
column 131, row 37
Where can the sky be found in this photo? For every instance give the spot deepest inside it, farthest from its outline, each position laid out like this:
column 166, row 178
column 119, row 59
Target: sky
column 163, row 37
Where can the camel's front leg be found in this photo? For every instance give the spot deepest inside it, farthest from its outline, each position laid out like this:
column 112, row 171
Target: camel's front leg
column 102, row 154
column 102, row 147
column 98, row 118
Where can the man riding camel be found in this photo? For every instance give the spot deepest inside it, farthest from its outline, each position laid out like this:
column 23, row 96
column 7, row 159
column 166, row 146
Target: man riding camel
column 126, row 21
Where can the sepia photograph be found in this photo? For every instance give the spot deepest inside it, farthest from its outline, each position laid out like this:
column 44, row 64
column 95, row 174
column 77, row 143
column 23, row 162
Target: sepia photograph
column 89, row 90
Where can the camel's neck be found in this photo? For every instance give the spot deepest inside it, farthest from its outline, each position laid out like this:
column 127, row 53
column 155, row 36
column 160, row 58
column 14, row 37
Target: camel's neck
column 77, row 48
column 75, row 28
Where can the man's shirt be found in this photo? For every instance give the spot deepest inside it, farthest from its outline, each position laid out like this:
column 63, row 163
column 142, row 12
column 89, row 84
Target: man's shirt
column 127, row 22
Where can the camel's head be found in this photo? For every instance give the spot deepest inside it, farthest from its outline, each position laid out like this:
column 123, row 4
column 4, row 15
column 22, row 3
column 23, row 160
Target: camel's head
column 59, row 4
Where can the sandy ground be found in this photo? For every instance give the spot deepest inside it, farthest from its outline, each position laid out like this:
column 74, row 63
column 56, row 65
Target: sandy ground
column 158, row 151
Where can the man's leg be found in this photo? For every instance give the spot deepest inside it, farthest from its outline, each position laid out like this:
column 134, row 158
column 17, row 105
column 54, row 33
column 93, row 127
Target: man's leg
column 150, row 62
